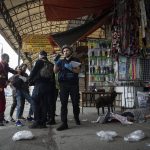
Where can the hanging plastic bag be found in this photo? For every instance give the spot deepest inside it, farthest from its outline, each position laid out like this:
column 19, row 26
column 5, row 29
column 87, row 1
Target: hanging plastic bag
column 22, row 135
column 135, row 136
column 107, row 135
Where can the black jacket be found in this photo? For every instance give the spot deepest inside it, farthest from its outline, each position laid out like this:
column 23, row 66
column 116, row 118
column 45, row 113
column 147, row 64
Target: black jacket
column 35, row 77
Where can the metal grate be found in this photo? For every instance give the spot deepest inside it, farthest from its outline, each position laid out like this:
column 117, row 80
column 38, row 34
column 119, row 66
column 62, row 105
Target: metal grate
column 145, row 69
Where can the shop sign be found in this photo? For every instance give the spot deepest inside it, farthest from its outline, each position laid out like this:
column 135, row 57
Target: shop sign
column 35, row 43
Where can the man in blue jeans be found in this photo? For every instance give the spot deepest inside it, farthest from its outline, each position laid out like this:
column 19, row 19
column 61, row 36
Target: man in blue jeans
column 69, row 85
column 22, row 92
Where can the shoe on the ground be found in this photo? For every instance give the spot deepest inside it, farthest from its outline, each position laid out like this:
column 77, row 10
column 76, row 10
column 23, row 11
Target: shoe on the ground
column 77, row 122
column 12, row 119
column 34, row 126
column 42, row 126
column 5, row 121
column 1, row 123
column 19, row 123
column 30, row 118
column 62, row 127
column 51, row 122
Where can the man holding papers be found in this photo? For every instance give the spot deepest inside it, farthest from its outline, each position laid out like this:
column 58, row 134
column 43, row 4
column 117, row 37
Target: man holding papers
column 68, row 69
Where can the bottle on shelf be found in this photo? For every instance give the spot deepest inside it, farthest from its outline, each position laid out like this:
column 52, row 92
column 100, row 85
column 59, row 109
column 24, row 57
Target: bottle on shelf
column 93, row 53
column 101, row 64
column 99, row 70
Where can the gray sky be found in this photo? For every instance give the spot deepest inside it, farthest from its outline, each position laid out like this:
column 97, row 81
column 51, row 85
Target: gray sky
column 7, row 49
column 13, row 62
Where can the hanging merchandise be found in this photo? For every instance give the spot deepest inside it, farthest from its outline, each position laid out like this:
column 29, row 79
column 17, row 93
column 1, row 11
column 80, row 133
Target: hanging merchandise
column 140, row 38
column 127, row 68
column 122, row 68
column 142, row 27
column 125, row 28
column 138, row 66
column 143, row 17
column 145, row 27
column 134, row 28
column 129, row 73
column 115, row 34
column 133, row 68
column 147, row 7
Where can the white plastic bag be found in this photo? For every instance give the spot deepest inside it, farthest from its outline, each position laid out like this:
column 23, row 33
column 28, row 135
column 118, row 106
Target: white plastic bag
column 22, row 135
column 135, row 136
column 107, row 135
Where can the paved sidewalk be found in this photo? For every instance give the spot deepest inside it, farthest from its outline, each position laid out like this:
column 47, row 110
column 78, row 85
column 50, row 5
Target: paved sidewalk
column 81, row 137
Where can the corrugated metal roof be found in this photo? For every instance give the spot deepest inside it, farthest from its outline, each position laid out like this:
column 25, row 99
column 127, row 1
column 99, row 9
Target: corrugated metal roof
column 21, row 17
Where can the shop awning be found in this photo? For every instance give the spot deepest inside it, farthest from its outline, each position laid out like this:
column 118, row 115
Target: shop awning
column 71, row 36
column 57, row 10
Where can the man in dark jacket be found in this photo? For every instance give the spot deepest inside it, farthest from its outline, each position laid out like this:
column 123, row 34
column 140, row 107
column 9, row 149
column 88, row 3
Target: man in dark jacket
column 43, row 92
column 4, row 69
column 69, row 85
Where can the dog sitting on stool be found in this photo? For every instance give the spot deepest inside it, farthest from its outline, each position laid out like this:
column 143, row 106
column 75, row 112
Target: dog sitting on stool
column 106, row 101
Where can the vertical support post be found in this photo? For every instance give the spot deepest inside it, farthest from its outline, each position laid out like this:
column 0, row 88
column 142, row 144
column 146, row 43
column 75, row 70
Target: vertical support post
column 1, row 51
column 85, row 79
column 19, row 56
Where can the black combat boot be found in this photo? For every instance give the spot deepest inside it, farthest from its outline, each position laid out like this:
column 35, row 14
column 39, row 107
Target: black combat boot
column 63, row 126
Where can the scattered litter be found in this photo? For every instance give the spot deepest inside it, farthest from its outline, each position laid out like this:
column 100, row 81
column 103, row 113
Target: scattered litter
column 147, row 144
column 84, row 119
column 107, row 135
column 135, row 136
column 94, row 121
column 22, row 135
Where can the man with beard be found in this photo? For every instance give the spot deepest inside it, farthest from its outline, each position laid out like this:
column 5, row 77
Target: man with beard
column 69, row 85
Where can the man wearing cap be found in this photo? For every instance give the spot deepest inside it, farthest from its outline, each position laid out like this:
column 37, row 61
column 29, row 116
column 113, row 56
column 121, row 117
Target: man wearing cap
column 69, row 85
column 43, row 92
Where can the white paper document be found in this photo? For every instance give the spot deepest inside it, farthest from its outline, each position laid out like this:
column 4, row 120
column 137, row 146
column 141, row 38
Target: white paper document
column 75, row 64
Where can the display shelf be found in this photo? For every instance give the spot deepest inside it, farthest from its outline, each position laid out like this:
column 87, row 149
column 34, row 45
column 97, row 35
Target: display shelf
column 101, row 69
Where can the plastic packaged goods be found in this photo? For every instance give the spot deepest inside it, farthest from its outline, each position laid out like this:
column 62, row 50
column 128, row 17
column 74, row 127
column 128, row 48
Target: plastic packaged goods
column 135, row 136
column 22, row 135
column 107, row 135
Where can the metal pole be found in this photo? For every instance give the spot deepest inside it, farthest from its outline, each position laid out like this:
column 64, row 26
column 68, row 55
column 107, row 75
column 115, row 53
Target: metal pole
column 19, row 57
column 1, row 51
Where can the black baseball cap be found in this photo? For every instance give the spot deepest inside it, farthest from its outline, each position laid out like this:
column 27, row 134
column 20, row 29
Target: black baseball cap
column 43, row 53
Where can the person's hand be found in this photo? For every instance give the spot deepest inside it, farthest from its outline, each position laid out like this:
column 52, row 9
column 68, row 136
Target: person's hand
column 68, row 66
column 57, row 59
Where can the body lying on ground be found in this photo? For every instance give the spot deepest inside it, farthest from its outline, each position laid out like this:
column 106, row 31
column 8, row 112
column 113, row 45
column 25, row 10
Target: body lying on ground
column 127, row 117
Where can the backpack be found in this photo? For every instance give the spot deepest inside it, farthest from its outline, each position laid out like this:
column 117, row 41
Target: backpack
column 47, row 70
